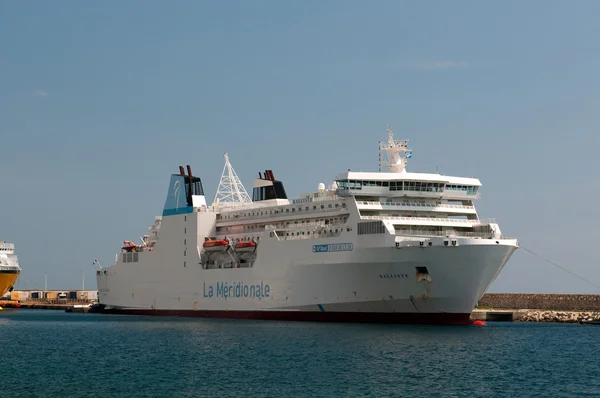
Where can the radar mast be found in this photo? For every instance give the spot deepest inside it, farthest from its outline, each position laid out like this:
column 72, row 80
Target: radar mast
column 397, row 153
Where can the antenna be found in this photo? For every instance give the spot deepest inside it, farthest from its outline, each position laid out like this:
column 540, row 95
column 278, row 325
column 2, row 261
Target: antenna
column 380, row 164
column 230, row 188
column 397, row 153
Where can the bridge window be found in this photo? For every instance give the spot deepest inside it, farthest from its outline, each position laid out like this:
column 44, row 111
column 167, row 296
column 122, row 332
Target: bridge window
column 469, row 189
column 417, row 186
column 396, row 185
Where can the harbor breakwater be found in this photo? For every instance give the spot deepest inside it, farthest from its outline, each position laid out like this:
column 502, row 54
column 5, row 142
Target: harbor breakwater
column 557, row 316
column 524, row 307
column 555, row 302
column 499, row 315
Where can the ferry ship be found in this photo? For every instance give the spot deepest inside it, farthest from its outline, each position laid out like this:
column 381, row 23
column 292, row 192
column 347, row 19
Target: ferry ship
column 9, row 267
column 389, row 246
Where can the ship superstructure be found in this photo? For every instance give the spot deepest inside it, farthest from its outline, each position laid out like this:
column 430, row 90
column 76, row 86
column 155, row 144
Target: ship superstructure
column 9, row 267
column 381, row 246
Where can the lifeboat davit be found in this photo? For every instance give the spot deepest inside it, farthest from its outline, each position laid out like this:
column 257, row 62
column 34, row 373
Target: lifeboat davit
column 245, row 246
column 215, row 245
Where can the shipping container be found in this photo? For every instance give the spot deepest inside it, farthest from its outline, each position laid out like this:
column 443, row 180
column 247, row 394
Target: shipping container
column 72, row 295
column 17, row 295
column 35, row 295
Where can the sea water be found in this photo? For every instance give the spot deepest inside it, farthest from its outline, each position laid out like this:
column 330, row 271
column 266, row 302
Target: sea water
column 53, row 353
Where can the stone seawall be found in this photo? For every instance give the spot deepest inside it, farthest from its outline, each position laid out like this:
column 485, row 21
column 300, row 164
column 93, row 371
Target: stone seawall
column 556, row 302
column 558, row 316
column 500, row 315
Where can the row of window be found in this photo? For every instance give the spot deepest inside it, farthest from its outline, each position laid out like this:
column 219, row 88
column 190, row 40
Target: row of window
column 329, row 232
column 281, row 211
column 470, row 190
column 332, row 222
column 419, row 186
column 260, row 227
column 416, row 186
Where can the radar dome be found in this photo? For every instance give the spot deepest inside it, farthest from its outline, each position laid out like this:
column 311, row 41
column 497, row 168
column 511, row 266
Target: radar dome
column 321, row 187
column 334, row 186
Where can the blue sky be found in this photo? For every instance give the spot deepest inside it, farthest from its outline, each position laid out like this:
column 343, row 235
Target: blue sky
column 101, row 101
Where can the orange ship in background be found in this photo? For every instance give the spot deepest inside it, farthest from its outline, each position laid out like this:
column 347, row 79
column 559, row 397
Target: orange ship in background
column 9, row 267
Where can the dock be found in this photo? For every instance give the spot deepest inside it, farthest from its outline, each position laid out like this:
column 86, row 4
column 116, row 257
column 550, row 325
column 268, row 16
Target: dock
column 65, row 300
column 36, row 305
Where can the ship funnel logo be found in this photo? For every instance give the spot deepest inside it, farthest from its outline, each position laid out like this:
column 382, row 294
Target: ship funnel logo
column 176, row 187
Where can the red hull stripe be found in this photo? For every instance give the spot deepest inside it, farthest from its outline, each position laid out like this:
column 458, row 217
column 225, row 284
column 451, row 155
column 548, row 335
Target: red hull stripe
column 370, row 317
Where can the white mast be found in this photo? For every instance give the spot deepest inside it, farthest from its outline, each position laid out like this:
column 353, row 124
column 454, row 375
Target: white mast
column 230, row 188
column 398, row 153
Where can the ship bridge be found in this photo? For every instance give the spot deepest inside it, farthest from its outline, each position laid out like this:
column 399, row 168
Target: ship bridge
column 408, row 184
column 394, row 155
column 413, row 203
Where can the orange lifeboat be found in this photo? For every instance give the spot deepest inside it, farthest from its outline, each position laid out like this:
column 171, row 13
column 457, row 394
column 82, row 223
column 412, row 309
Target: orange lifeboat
column 215, row 245
column 245, row 246
column 128, row 246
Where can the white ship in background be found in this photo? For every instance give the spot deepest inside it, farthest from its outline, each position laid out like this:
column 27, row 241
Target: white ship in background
column 389, row 246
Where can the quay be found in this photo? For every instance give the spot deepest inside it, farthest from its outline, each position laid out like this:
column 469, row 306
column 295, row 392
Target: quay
column 66, row 300
column 68, row 307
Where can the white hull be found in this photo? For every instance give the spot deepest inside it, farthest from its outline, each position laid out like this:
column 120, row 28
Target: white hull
column 377, row 278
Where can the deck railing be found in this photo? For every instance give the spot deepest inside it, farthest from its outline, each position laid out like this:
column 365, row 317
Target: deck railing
column 282, row 214
column 432, row 219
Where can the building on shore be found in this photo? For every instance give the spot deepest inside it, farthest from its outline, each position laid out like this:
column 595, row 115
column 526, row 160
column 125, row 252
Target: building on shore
column 52, row 295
